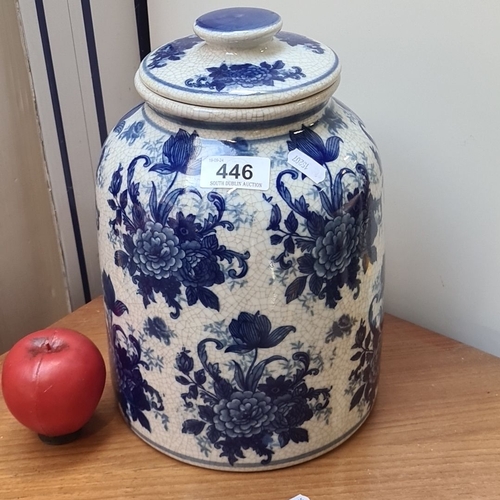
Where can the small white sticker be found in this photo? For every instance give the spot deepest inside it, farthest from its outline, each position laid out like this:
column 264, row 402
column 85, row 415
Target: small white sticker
column 300, row 497
column 235, row 172
column 306, row 165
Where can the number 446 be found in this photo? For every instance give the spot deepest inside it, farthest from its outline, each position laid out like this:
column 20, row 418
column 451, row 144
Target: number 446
column 245, row 172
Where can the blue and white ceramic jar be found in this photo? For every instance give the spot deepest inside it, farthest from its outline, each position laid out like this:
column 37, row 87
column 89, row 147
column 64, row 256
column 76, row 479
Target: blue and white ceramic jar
column 242, row 249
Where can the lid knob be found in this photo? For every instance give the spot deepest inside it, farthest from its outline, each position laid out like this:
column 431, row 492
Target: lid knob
column 238, row 27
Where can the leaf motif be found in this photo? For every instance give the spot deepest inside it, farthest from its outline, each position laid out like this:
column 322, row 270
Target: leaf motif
column 368, row 341
column 357, row 397
column 213, row 434
column 208, row 298
column 133, row 192
column 182, row 380
column 210, row 242
column 357, row 356
column 253, row 376
column 153, row 202
column 306, row 264
column 166, row 204
column 299, row 435
column 332, row 294
column 119, row 308
column 276, row 239
column 295, row 288
column 124, row 199
column 206, row 413
column 121, row 259
column 223, row 389
column 327, row 204
column 305, row 245
column 138, row 215
column 240, row 349
column 162, row 168
column 200, row 377
column 302, row 207
column 283, row 438
column 289, row 245
column 191, row 295
column 238, row 375
column 332, row 148
column 143, row 421
column 274, row 222
column 193, row 426
column 112, row 204
column 315, row 284
column 316, row 225
column 116, row 181
column 128, row 243
column 360, row 334
column 291, row 222
column 193, row 391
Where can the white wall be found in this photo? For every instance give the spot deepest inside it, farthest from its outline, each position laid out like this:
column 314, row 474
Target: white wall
column 425, row 77
column 114, row 30
column 32, row 285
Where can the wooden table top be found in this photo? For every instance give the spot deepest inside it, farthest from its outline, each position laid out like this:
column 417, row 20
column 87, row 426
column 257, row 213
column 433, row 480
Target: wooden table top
column 434, row 434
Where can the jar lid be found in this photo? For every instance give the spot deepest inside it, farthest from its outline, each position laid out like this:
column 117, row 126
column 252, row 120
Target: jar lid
column 238, row 58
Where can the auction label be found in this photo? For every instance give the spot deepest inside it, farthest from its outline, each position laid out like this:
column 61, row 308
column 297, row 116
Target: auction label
column 306, row 165
column 235, row 172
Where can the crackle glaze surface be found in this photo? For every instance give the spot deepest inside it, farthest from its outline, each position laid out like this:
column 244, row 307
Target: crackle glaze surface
column 244, row 325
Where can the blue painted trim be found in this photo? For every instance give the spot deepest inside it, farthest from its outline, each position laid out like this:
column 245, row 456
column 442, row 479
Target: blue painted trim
column 236, row 125
column 94, row 69
column 63, row 149
column 284, row 462
column 190, row 90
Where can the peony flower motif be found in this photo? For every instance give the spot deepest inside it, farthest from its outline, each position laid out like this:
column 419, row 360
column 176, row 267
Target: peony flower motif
column 179, row 154
column 335, row 249
column 245, row 75
column 311, row 144
column 200, row 267
column 253, row 331
column 292, row 412
column 244, row 414
column 157, row 252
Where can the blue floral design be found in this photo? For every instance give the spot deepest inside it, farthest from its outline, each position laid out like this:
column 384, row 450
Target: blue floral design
column 293, row 39
column 363, row 380
column 245, row 75
column 173, row 51
column 337, row 239
column 133, row 132
column 164, row 250
column 135, row 394
column 157, row 328
column 333, row 120
column 177, row 154
column 247, row 411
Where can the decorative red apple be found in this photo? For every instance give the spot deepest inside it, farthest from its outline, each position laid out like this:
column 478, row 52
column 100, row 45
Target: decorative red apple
column 52, row 381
